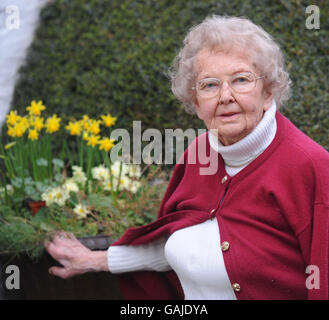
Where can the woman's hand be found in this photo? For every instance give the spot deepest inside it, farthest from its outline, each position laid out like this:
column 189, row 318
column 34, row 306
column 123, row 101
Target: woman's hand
column 74, row 256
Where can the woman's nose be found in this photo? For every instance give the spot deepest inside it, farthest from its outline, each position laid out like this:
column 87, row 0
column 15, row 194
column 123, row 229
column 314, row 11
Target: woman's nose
column 225, row 94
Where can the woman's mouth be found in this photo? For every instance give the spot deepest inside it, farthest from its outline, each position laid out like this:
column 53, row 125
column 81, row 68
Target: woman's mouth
column 228, row 116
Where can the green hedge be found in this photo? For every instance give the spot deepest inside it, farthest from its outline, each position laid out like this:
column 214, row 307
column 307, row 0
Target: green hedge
column 94, row 56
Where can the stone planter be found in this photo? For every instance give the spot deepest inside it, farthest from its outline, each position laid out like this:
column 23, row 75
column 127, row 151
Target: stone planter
column 36, row 283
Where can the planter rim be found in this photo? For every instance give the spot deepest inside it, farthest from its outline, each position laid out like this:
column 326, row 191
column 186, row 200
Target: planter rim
column 98, row 242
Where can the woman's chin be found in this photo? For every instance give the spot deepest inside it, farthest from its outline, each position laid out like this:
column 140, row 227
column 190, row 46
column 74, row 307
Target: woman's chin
column 228, row 137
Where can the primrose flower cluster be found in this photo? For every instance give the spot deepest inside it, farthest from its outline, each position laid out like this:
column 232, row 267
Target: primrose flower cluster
column 121, row 177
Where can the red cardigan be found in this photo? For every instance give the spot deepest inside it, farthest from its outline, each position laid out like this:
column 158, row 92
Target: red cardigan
column 274, row 213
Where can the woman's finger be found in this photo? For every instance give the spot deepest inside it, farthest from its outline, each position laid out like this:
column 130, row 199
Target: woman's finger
column 63, row 272
column 66, row 239
column 56, row 251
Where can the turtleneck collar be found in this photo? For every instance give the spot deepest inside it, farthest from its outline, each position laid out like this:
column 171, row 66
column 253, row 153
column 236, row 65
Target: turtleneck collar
column 240, row 154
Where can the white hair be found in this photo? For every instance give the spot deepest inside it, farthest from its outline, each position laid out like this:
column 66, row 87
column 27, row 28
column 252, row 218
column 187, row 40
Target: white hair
column 220, row 32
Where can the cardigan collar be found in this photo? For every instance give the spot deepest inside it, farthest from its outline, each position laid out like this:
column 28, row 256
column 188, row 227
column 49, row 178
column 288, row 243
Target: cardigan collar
column 241, row 153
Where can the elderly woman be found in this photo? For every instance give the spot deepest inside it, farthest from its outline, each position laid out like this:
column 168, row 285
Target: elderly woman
column 257, row 227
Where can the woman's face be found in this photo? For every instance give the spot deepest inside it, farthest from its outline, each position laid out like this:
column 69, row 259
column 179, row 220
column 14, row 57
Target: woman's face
column 233, row 114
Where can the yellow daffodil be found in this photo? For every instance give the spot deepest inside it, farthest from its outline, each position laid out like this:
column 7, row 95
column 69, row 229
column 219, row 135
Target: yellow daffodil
column 9, row 145
column 85, row 122
column 108, row 120
column 33, row 134
column 23, row 122
column 18, row 130
column 11, row 132
column 12, row 118
column 93, row 140
column 94, row 127
column 85, row 136
column 35, row 108
column 106, row 144
column 74, row 128
column 53, row 124
column 37, row 123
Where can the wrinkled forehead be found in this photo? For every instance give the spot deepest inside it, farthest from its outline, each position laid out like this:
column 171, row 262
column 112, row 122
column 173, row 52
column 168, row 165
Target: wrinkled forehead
column 227, row 60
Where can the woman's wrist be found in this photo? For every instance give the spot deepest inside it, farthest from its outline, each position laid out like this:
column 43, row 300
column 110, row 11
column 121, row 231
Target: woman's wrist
column 97, row 261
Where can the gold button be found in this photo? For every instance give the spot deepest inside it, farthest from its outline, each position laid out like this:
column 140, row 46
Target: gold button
column 236, row 287
column 224, row 179
column 212, row 215
column 225, row 245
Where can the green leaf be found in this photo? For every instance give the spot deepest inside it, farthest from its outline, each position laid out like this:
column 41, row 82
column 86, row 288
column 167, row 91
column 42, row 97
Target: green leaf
column 46, row 227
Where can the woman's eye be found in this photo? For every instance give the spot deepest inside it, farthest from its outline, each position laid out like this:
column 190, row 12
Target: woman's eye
column 240, row 80
column 209, row 85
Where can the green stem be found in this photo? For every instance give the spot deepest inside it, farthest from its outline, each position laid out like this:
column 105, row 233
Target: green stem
column 89, row 161
column 49, row 154
column 107, row 161
column 81, row 151
column 21, row 159
column 7, row 162
column 33, row 160
column 118, row 186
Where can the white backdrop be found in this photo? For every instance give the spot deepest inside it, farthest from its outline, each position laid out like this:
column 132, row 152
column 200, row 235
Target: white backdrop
column 14, row 44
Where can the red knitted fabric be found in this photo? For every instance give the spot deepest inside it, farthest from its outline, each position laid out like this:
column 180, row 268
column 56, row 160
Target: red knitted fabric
column 274, row 214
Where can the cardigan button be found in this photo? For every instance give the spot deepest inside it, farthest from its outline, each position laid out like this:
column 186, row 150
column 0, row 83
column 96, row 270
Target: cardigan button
column 224, row 179
column 236, row 287
column 225, row 245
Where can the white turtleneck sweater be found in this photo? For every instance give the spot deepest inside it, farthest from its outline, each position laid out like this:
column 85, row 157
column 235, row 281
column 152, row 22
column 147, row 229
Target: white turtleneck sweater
column 194, row 252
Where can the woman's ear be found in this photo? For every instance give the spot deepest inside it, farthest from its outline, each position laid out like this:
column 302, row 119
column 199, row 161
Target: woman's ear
column 197, row 108
column 268, row 100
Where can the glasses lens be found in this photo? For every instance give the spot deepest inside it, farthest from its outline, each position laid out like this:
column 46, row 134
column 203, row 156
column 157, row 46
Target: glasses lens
column 208, row 87
column 242, row 82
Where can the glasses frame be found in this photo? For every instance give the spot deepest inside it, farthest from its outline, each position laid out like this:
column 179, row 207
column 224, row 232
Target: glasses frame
column 194, row 88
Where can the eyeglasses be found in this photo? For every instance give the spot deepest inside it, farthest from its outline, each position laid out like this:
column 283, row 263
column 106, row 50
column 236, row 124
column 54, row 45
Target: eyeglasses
column 240, row 83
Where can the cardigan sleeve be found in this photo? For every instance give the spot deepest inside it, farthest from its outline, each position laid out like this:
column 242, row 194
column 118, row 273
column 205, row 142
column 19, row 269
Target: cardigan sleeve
column 314, row 241
column 314, row 238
